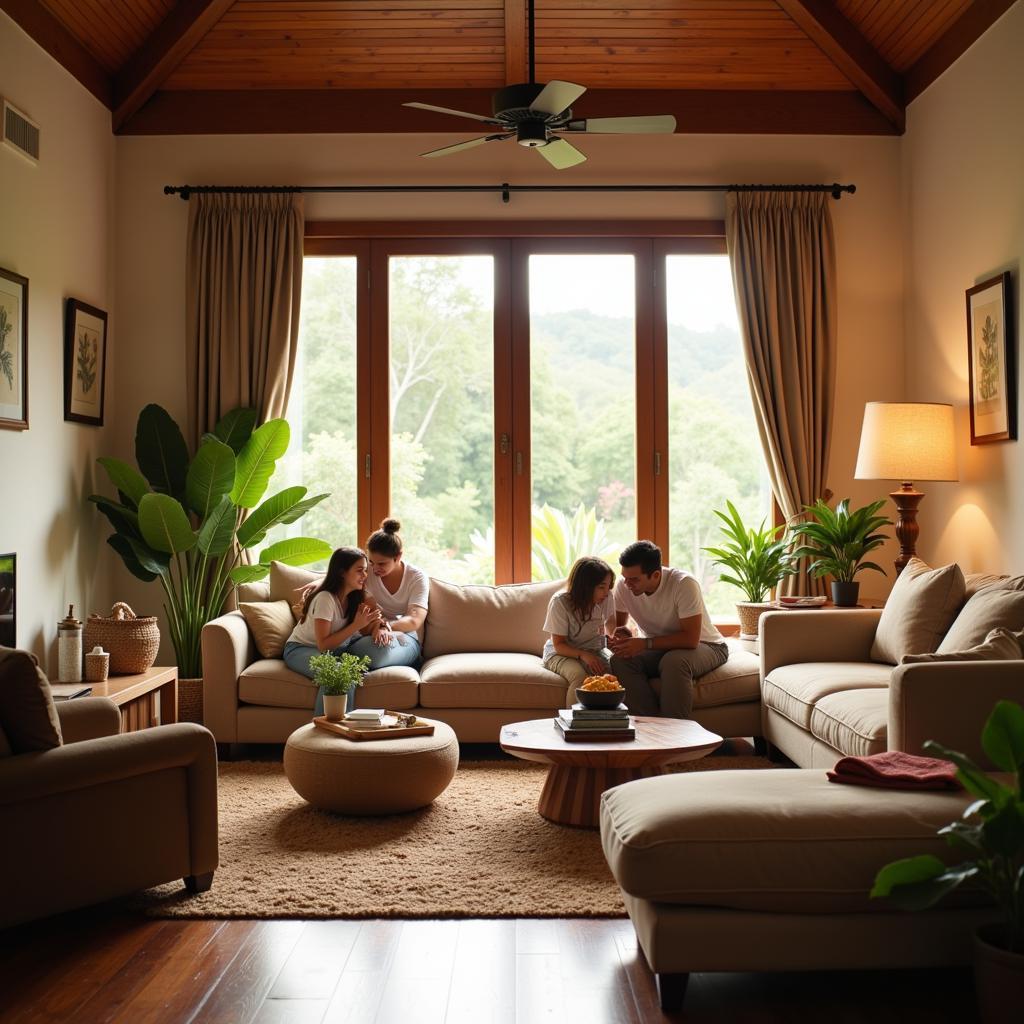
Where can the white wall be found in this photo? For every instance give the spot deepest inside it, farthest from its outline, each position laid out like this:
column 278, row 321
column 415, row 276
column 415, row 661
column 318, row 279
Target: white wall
column 964, row 168
column 55, row 229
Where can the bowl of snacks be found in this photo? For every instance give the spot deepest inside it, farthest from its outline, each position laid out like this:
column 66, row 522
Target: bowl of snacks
column 600, row 692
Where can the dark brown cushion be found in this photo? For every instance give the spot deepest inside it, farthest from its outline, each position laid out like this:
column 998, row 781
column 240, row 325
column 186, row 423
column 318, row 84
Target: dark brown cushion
column 28, row 718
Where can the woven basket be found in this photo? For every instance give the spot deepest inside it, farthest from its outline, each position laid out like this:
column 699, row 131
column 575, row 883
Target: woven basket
column 750, row 614
column 190, row 700
column 132, row 642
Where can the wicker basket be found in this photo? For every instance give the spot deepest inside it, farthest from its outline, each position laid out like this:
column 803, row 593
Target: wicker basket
column 190, row 700
column 132, row 642
column 750, row 614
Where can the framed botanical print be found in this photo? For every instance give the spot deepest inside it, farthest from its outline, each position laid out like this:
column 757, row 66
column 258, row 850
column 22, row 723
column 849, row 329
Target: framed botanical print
column 990, row 361
column 13, row 350
column 85, row 358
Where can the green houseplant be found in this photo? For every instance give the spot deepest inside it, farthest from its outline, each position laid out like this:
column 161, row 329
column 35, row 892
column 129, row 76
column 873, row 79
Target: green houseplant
column 991, row 835
column 190, row 522
column 755, row 560
column 836, row 540
column 338, row 674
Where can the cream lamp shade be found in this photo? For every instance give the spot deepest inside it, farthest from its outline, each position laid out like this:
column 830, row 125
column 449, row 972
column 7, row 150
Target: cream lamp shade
column 907, row 441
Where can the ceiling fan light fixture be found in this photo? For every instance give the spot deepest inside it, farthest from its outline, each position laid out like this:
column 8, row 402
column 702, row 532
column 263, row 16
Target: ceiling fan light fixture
column 532, row 134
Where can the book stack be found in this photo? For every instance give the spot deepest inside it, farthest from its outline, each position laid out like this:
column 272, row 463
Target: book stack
column 586, row 725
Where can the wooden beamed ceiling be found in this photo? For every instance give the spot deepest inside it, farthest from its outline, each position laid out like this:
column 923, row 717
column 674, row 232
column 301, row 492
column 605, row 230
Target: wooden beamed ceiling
column 266, row 66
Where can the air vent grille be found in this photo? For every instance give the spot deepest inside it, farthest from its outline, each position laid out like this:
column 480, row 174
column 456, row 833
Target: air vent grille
column 20, row 133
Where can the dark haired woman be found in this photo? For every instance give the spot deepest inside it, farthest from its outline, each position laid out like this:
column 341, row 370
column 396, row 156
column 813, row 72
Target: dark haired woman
column 578, row 618
column 401, row 592
column 334, row 614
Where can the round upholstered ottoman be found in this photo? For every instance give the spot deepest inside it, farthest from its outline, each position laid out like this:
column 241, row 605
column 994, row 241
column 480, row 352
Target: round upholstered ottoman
column 370, row 776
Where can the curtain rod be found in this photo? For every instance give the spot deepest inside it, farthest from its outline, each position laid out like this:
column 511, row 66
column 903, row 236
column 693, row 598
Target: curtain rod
column 835, row 189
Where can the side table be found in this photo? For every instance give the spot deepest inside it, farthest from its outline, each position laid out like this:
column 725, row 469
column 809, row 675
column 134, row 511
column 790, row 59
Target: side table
column 146, row 699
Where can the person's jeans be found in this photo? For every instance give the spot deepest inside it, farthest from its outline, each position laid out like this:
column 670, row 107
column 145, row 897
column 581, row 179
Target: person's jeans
column 678, row 669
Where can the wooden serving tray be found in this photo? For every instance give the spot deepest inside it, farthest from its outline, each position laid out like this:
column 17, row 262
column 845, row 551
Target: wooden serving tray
column 396, row 732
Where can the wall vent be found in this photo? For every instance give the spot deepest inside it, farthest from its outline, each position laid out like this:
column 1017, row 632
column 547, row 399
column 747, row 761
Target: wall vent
column 21, row 134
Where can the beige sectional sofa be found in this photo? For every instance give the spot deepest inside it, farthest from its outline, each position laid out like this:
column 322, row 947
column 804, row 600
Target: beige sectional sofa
column 481, row 669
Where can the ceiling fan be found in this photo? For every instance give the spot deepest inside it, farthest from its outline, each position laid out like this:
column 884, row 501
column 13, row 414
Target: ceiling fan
column 536, row 114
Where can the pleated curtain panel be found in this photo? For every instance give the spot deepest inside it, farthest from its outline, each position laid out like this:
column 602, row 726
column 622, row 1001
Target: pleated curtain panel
column 244, row 267
column 782, row 252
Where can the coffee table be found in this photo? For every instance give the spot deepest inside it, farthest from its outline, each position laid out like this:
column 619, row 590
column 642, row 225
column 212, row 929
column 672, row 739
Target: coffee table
column 581, row 772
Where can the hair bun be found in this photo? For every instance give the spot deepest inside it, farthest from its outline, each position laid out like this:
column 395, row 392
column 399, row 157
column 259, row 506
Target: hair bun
column 390, row 525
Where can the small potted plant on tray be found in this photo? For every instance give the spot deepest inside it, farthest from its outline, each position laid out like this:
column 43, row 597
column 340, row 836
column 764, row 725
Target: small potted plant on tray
column 991, row 834
column 836, row 540
column 338, row 674
column 755, row 561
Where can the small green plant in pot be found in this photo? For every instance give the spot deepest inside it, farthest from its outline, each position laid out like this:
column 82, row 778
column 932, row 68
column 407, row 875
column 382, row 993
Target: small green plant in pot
column 338, row 674
column 755, row 560
column 836, row 540
column 991, row 834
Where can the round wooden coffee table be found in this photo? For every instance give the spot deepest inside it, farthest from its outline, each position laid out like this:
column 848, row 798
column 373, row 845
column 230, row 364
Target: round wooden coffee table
column 581, row 772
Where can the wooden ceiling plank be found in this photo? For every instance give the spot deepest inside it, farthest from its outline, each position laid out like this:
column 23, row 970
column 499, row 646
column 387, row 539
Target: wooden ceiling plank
column 60, row 44
column 909, row 44
column 516, row 59
column 173, row 40
column 852, row 54
column 956, row 40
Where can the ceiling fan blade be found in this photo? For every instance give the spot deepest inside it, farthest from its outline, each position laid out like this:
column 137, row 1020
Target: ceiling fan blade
column 649, row 124
column 556, row 97
column 455, row 113
column 560, row 154
column 445, row 150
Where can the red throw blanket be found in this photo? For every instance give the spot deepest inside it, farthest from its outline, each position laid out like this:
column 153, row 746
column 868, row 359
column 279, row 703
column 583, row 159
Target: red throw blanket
column 895, row 770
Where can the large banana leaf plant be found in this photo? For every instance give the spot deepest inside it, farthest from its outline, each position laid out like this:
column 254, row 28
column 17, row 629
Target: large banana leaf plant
column 190, row 523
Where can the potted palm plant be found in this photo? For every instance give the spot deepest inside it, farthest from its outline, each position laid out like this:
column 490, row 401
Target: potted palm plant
column 836, row 540
column 991, row 834
column 338, row 674
column 755, row 560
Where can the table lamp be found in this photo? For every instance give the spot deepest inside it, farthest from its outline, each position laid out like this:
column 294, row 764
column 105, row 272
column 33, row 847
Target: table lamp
column 906, row 441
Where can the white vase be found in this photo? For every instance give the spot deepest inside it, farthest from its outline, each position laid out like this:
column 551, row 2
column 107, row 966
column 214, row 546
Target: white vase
column 334, row 706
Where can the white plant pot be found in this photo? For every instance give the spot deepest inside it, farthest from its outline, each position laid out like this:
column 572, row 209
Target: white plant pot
column 334, row 706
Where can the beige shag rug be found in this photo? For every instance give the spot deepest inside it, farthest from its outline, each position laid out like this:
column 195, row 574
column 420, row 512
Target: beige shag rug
column 480, row 850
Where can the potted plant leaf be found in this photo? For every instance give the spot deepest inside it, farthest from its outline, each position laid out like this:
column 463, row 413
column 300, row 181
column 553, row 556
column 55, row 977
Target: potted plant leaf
column 991, row 834
column 338, row 674
column 755, row 560
column 836, row 540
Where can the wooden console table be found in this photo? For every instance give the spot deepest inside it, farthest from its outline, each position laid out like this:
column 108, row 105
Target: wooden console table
column 146, row 699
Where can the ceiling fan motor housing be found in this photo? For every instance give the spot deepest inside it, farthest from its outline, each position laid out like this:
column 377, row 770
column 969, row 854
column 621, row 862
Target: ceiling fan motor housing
column 512, row 105
column 532, row 133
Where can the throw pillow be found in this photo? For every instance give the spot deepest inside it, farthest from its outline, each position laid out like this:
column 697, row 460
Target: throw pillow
column 919, row 610
column 999, row 645
column 287, row 580
column 28, row 718
column 983, row 612
column 975, row 582
column 271, row 623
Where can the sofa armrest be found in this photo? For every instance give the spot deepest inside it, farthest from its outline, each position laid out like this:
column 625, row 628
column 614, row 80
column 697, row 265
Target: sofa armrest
column 228, row 649
column 949, row 701
column 86, row 718
column 795, row 637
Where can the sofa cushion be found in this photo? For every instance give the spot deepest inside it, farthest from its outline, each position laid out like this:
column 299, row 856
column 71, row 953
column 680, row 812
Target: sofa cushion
column 271, row 683
column 28, row 718
column 475, row 618
column 271, row 623
column 490, row 681
column 396, row 688
column 793, row 690
column 286, row 581
column 999, row 645
column 989, row 609
column 854, row 722
column 918, row 611
column 738, row 680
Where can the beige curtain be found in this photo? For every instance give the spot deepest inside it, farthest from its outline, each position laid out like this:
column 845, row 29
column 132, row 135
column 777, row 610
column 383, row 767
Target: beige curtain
column 782, row 251
column 244, row 270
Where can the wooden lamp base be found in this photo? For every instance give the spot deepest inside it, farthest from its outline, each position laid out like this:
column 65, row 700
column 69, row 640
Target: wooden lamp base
column 906, row 500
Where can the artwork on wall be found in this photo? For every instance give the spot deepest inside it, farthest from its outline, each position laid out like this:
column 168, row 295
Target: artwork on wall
column 990, row 362
column 85, row 354
column 13, row 350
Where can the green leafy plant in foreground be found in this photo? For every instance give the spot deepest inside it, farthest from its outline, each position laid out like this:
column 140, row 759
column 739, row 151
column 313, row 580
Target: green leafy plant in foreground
column 338, row 673
column 991, row 832
column 836, row 540
column 188, row 522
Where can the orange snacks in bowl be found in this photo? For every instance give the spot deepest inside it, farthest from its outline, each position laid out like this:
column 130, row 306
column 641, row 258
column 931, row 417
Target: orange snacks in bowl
column 600, row 684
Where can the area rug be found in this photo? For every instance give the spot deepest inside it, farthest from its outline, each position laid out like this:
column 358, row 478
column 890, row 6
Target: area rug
column 480, row 850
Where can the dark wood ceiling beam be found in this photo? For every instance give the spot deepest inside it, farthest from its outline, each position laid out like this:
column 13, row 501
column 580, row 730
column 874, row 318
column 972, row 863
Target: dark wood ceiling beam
column 172, row 41
column 515, row 42
column 60, row 44
column 727, row 111
column 955, row 41
column 855, row 57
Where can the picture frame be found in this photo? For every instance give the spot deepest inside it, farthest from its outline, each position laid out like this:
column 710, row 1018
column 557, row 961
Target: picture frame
column 13, row 350
column 991, row 361
column 85, row 361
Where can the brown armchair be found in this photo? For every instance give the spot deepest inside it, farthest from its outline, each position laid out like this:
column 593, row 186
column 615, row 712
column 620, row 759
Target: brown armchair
column 105, row 814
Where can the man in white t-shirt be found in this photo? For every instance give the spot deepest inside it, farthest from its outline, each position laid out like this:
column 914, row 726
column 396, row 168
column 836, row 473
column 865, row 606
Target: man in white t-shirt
column 676, row 640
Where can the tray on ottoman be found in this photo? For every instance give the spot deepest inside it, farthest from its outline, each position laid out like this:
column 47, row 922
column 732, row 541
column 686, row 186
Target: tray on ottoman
column 383, row 732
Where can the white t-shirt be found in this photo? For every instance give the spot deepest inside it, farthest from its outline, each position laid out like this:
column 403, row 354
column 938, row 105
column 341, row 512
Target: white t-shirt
column 678, row 597
column 323, row 606
column 586, row 634
column 413, row 590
